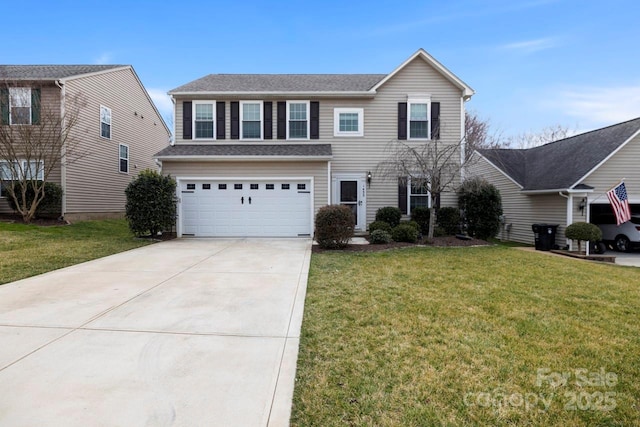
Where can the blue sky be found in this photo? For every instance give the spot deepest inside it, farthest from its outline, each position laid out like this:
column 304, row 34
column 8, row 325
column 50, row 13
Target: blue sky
column 533, row 63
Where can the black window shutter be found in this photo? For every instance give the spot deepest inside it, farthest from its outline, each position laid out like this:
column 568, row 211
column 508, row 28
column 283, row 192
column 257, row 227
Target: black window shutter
column 35, row 106
column 402, row 123
column 435, row 120
column 220, row 114
column 314, row 128
column 282, row 120
column 235, row 120
column 402, row 194
column 268, row 120
column 4, row 106
column 187, row 125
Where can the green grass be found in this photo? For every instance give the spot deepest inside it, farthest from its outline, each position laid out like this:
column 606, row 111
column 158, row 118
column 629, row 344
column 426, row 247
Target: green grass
column 429, row 336
column 27, row 250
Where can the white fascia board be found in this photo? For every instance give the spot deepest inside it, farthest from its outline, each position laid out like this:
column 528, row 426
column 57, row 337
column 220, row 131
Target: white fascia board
column 95, row 73
column 280, row 94
column 620, row 147
column 244, row 158
column 498, row 169
column 467, row 91
column 556, row 190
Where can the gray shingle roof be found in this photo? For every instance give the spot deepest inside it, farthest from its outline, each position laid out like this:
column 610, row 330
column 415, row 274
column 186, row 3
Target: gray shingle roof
column 281, row 83
column 49, row 72
column 263, row 150
column 560, row 164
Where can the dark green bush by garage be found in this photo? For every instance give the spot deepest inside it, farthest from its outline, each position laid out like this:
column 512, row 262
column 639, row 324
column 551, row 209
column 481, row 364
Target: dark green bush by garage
column 389, row 214
column 482, row 206
column 49, row 207
column 151, row 203
column 449, row 220
column 334, row 226
column 421, row 216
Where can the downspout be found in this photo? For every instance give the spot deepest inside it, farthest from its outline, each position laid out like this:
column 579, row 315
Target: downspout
column 329, row 182
column 569, row 198
column 63, row 150
column 172, row 140
column 463, row 140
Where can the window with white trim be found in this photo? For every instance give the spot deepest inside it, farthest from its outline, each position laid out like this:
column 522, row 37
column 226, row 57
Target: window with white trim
column 418, row 193
column 20, row 105
column 123, row 157
column 204, row 113
column 250, row 120
column 348, row 122
column 418, row 118
column 105, row 122
column 298, row 120
column 22, row 169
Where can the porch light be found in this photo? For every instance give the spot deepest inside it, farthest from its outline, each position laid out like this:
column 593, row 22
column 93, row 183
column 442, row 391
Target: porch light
column 369, row 178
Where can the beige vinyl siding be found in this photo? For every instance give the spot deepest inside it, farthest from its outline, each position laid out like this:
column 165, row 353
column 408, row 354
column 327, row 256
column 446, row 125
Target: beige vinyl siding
column 50, row 101
column 363, row 154
column 94, row 183
column 521, row 210
column 315, row 170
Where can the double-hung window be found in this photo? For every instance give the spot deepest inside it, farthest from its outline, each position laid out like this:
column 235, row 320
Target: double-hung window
column 123, row 158
column 298, row 119
column 20, row 106
column 105, row 122
column 22, row 169
column 348, row 122
column 418, row 123
column 250, row 120
column 419, row 196
column 203, row 119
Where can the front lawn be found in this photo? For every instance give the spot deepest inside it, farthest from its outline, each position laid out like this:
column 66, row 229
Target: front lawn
column 27, row 250
column 468, row 336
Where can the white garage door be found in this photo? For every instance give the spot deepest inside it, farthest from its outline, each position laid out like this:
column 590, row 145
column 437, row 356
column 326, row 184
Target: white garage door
column 234, row 208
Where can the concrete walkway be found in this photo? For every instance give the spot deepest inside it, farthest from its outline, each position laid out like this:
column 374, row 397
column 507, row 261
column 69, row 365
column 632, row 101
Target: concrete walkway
column 190, row 332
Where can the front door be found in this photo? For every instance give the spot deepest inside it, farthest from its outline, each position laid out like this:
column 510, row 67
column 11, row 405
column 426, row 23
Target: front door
column 350, row 190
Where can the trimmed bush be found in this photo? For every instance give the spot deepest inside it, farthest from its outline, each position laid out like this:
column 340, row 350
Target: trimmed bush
column 421, row 216
column 405, row 233
column 151, row 203
column 389, row 214
column 49, row 207
column 482, row 207
column 411, row 224
column 380, row 236
column 448, row 219
column 379, row 225
column 583, row 231
column 334, row 226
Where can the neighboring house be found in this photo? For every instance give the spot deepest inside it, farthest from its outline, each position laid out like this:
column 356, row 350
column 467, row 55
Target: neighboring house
column 258, row 155
column 564, row 181
column 117, row 133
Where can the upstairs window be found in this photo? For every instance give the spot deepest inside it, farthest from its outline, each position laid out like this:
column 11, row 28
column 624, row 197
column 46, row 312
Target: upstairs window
column 105, row 122
column 298, row 120
column 124, row 158
column 251, row 120
column 203, row 114
column 20, row 106
column 348, row 122
column 418, row 119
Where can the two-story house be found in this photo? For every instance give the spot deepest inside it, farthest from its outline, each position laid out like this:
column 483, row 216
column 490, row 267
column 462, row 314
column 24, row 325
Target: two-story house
column 257, row 155
column 116, row 131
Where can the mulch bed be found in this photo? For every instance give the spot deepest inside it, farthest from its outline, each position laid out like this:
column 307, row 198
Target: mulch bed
column 45, row 222
column 446, row 241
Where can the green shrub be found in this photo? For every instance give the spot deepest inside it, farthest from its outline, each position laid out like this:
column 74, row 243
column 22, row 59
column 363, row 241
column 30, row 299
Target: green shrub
column 379, row 225
column 448, row 219
column 583, row 231
column 334, row 226
column 151, row 203
column 421, row 216
column 482, row 207
column 380, row 236
column 389, row 214
column 405, row 233
column 413, row 224
column 49, row 207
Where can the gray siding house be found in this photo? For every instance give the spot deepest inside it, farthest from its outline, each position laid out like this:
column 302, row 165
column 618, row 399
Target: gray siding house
column 118, row 130
column 564, row 181
column 258, row 155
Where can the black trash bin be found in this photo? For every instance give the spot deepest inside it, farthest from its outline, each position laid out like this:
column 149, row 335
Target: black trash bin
column 545, row 236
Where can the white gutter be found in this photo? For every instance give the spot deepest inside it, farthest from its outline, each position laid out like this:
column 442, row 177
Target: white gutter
column 244, row 158
column 311, row 94
column 556, row 190
column 63, row 150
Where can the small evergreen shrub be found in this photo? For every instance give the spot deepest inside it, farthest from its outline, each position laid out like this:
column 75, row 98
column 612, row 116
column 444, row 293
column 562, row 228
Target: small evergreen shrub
column 405, row 233
column 482, row 206
column 334, row 226
column 413, row 224
column 379, row 225
column 389, row 214
column 448, row 219
column 421, row 216
column 151, row 203
column 583, row 231
column 49, row 207
column 380, row 236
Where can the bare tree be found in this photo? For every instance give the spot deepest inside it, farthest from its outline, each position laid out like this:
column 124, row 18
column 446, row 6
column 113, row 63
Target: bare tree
column 543, row 136
column 478, row 134
column 35, row 139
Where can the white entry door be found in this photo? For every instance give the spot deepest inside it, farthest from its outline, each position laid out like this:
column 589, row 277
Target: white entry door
column 350, row 190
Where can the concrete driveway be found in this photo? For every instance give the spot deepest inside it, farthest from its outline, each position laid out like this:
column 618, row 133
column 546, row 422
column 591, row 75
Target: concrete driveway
column 190, row 332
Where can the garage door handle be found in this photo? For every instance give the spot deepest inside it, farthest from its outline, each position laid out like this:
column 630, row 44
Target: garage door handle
column 249, row 200
column 242, row 200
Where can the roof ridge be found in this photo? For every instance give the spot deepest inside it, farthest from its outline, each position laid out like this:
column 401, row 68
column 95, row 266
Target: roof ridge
column 585, row 133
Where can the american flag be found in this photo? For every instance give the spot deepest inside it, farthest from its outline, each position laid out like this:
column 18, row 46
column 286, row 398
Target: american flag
column 620, row 203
